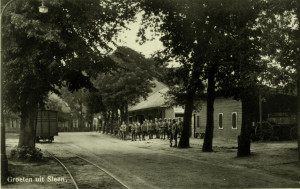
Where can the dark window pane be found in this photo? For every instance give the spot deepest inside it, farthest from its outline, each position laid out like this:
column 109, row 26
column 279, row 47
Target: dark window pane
column 198, row 121
column 220, row 120
column 234, row 120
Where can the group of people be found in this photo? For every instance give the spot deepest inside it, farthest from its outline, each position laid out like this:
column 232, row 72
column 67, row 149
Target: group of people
column 160, row 129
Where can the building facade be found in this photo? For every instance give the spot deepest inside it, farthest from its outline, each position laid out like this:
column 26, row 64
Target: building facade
column 227, row 119
column 154, row 106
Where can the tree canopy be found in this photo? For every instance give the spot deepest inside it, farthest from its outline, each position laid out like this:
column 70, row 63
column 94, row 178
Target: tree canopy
column 67, row 45
column 127, row 84
column 216, row 43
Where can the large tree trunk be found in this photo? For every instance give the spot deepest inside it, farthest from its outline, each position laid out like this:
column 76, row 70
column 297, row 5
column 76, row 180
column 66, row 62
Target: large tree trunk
column 110, row 115
column 81, row 127
column 209, row 131
column 114, row 119
column 28, row 127
column 106, row 119
column 184, row 141
column 244, row 140
column 91, row 123
column 122, row 113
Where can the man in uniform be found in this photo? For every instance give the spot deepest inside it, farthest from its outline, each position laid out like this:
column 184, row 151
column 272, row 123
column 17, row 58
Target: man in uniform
column 165, row 128
column 123, row 130
column 157, row 129
column 161, row 128
column 144, row 129
column 169, row 128
column 174, row 132
column 138, row 130
column 150, row 129
column 133, row 131
column 180, row 127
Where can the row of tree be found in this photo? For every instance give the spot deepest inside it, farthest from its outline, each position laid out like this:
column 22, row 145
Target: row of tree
column 228, row 47
column 112, row 93
column 221, row 46
column 125, row 86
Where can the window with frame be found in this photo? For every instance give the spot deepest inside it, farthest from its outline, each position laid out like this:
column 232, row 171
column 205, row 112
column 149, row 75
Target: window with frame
column 220, row 120
column 198, row 121
column 234, row 120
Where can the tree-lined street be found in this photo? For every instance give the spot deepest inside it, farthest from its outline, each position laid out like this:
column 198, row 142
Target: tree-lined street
column 67, row 60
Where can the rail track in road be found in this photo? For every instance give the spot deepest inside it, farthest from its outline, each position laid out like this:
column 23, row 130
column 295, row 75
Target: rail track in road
column 86, row 174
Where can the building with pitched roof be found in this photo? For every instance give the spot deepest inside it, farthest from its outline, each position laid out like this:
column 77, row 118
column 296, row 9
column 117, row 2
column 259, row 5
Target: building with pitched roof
column 154, row 106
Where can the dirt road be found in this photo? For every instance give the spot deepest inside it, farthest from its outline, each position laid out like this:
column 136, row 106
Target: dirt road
column 153, row 164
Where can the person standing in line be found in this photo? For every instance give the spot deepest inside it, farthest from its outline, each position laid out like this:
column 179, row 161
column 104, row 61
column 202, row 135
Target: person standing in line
column 169, row 128
column 165, row 128
column 123, row 130
column 174, row 132
column 161, row 128
column 138, row 130
column 144, row 130
column 151, row 129
column 128, row 129
column 148, row 128
column 180, row 127
column 133, row 131
column 157, row 128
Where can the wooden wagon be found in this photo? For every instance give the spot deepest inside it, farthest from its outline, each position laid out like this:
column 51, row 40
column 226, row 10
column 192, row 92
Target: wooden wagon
column 47, row 125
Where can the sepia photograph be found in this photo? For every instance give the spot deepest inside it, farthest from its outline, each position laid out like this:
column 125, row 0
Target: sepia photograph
column 150, row 94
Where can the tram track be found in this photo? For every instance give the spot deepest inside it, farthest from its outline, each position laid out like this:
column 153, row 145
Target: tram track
column 79, row 169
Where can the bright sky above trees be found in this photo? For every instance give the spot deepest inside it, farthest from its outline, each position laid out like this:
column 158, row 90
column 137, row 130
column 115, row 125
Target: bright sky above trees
column 129, row 38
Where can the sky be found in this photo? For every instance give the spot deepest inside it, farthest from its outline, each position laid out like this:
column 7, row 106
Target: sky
column 128, row 38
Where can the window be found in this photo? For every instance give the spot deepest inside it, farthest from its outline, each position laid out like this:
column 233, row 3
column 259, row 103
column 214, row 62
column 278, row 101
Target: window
column 198, row 122
column 234, row 120
column 220, row 120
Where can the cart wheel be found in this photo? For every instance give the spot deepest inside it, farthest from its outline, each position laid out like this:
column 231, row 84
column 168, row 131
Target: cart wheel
column 294, row 133
column 202, row 135
column 264, row 131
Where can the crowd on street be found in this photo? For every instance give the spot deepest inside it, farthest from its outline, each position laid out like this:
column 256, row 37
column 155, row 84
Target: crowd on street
column 168, row 129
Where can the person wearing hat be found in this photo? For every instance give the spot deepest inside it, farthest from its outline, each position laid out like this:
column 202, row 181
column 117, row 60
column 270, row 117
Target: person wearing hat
column 133, row 132
column 161, row 128
column 180, row 127
column 157, row 129
column 169, row 127
column 138, row 130
column 123, row 130
column 144, row 129
column 151, row 127
column 166, row 128
column 174, row 132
